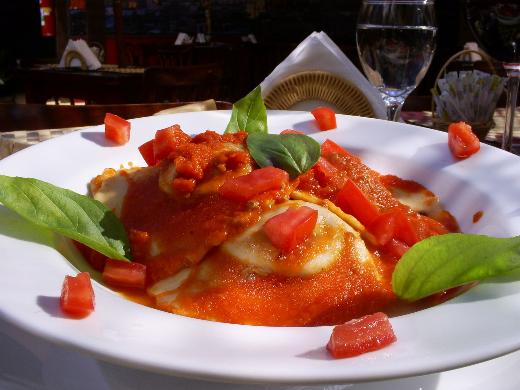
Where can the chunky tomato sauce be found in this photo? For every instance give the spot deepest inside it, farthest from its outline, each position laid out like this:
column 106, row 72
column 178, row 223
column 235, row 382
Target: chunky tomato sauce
column 344, row 291
column 182, row 226
column 178, row 220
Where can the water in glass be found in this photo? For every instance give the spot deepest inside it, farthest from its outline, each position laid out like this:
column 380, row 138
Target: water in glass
column 396, row 43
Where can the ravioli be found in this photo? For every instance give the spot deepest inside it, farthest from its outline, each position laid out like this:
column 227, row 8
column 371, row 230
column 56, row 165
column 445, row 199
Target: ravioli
column 251, row 260
column 111, row 187
column 207, row 255
column 320, row 251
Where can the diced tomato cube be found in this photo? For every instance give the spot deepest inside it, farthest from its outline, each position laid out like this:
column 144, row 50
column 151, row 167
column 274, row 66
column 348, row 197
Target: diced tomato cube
column 291, row 131
column 290, row 228
column 462, row 141
column 395, row 248
column 365, row 334
column 77, row 295
column 325, row 118
column 353, row 201
column 167, row 140
column 147, row 152
column 427, row 227
column 243, row 188
column 330, row 147
column 383, row 227
column 324, row 171
column 395, row 224
column 117, row 129
column 405, row 229
column 124, row 274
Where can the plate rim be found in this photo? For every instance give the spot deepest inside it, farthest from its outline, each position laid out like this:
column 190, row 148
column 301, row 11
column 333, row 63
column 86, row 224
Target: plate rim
column 115, row 357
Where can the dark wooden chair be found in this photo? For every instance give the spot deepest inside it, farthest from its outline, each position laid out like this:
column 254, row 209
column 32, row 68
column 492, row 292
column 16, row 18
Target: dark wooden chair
column 41, row 116
column 183, row 83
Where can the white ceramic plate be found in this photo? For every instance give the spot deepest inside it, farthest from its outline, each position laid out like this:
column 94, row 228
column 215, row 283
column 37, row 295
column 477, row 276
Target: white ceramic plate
column 479, row 325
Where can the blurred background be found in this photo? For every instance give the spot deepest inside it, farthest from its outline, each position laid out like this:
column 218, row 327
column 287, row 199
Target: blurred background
column 245, row 38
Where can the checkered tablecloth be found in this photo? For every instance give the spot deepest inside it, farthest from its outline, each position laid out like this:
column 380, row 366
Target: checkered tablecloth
column 13, row 141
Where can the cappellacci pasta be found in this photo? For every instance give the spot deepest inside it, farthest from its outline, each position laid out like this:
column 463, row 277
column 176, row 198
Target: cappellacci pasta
column 225, row 240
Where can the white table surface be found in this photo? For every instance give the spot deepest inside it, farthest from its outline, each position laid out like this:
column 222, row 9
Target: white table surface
column 28, row 362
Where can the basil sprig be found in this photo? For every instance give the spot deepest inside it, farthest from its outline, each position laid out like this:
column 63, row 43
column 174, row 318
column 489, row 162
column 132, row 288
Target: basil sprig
column 63, row 211
column 450, row 260
column 294, row 153
column 249, row 114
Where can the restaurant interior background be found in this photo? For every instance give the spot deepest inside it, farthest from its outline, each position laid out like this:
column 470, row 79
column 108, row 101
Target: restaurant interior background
column 141, row 33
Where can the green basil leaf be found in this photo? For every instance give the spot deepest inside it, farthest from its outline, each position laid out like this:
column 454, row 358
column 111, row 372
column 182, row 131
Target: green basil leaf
column 294, row 153
column 63, row 211
column 249, row 114
column 450, row 260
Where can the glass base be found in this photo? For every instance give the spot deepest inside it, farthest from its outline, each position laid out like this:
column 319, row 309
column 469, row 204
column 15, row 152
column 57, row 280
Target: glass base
column 393, row 105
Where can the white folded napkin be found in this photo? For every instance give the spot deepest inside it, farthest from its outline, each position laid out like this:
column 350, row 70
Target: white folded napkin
column 200, row 38
column 319, row 52
column 183, row 39
column 86, row 52
column 249, row 38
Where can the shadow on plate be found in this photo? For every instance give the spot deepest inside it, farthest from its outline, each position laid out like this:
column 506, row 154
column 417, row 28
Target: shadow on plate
column 16, row 227
column 50, row 305
column 98, row 138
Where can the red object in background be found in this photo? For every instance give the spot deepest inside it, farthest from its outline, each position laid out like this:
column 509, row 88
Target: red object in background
column 47, row 19
column 110, row 50
column 77, row 4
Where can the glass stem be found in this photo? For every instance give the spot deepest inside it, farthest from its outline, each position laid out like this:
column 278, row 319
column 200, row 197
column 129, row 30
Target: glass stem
column 512, row 93
column 393, row 111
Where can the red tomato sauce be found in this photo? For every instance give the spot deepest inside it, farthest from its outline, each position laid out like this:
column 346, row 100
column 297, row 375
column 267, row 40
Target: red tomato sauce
column 184, row 226
column 349, row 167
column 343, row 292
column 181, row 227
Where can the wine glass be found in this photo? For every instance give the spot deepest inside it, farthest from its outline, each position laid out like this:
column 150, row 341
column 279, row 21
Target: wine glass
column 496, row 27
column 396, row 42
